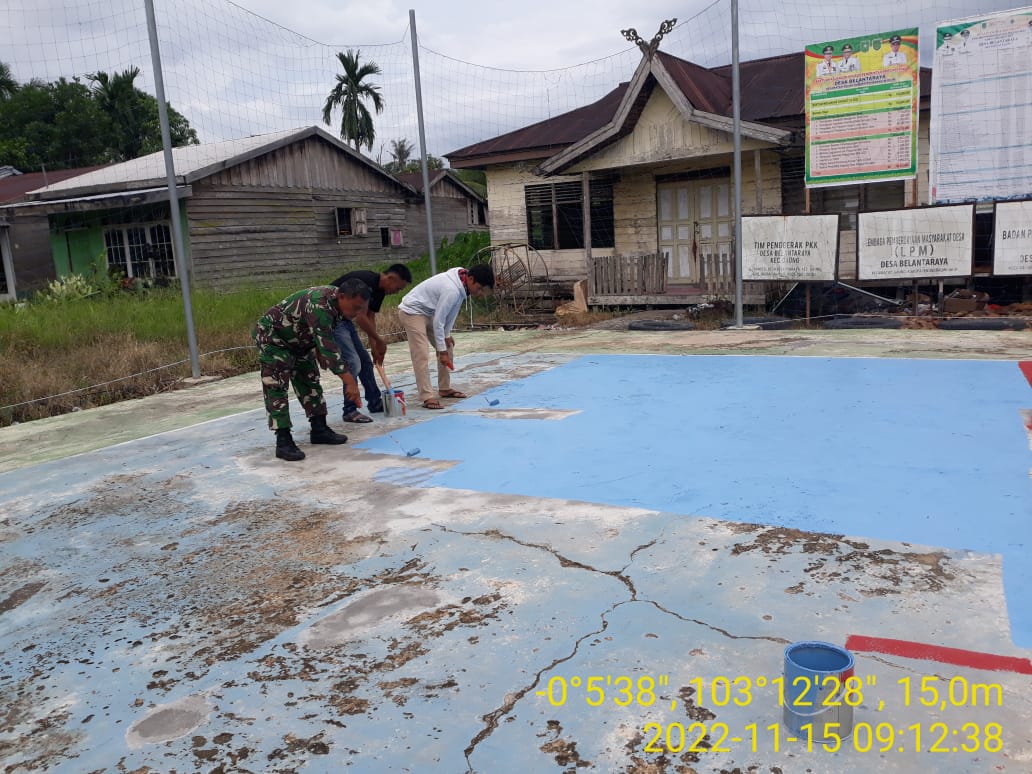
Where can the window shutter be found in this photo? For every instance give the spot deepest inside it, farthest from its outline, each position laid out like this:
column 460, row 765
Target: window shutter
column 360, row 221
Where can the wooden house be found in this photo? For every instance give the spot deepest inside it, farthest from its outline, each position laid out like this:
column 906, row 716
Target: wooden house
column 456, row 207
column 296, row 205
column 634, row 191
column 26, row 263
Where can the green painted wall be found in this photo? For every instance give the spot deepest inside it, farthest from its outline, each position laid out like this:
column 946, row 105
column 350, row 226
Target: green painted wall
column 77, row 239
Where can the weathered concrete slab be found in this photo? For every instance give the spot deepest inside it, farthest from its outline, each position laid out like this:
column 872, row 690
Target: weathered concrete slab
column 185, row 602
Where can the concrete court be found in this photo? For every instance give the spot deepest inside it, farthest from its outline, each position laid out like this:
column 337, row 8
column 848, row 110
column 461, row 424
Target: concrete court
column 175, row 603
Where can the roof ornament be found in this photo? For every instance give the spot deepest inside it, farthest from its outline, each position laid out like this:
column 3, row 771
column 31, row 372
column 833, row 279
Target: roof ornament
column 650, row 48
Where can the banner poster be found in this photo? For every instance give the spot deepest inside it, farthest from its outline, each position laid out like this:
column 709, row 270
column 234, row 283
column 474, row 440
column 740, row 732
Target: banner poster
column 980, row 145
column 916, row 243
column 796, row 248
column 1012, row 241
column 861, row 109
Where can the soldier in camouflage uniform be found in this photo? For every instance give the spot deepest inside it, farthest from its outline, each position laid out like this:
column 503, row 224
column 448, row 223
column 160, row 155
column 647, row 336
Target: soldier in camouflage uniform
column 294, row 338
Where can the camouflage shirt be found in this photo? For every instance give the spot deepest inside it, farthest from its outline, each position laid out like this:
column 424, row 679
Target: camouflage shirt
column 304, row 321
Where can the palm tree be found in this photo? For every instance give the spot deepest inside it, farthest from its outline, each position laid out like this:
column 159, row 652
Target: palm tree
column 120, row 99
column 349, row 94
column 7, row 83
column 401, row 150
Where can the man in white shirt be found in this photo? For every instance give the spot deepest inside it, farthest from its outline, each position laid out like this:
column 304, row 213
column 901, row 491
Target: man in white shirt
column 428, row 313
column 849, row 63
column 827, row 67
column 895, row 56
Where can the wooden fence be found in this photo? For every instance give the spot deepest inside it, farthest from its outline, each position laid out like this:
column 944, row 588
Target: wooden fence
column 625, row 275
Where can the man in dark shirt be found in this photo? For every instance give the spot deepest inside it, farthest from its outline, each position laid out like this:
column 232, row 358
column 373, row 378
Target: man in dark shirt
column 380, row 284
column 294, row 338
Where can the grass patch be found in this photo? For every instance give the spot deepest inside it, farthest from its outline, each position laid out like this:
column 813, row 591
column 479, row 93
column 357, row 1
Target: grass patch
column 132, row 343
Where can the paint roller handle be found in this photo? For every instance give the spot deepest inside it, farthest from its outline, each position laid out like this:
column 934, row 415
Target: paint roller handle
column 383, row 376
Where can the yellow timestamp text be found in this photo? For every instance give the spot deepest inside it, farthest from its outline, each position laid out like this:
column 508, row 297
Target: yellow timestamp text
column 717, row 737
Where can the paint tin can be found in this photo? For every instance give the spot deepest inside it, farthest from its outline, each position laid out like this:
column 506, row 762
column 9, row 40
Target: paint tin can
column 393, row 403
column 815, row 683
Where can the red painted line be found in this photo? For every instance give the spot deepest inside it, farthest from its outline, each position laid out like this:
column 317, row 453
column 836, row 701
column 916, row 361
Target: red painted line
column 1026, row 368
column 919, row 650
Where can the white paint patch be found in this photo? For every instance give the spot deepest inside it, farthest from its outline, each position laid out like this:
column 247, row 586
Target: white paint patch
column 168, row 721
column 368, row 612
column 527, row 413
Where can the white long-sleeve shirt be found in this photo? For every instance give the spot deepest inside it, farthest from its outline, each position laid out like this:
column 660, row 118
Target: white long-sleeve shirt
column 439, row 297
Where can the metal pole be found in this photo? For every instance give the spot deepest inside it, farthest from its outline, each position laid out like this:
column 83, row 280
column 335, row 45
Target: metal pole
column 173, row 198
column 422, row 144
column 737, row 113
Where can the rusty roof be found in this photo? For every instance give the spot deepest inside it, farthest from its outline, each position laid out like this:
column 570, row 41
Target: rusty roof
column 14, row 187
column 544, row 138
column 772, row 89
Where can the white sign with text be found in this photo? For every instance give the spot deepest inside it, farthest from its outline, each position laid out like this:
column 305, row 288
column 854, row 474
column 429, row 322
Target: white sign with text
column 916, row 243
column 795, row 248
column 1012, row 242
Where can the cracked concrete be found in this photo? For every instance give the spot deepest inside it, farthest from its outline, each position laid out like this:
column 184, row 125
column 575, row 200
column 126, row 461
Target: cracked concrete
column 184, row 602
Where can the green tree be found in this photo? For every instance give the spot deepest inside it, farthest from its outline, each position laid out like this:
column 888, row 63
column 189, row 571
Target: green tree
column 350, row 93
column 416, row 165
column 134, row 116
column 118, row 97
column 54, row 125
column 7, row 83
column 401, row 151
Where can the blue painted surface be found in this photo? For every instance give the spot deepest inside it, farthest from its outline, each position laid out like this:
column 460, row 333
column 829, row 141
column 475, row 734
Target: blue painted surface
column 922, row 451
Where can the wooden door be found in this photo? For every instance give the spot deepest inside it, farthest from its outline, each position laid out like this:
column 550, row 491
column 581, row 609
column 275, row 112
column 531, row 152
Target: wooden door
column 696, row 227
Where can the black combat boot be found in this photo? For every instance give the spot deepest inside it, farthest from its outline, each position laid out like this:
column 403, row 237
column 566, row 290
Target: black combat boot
column 286, row 449
column 323, row 434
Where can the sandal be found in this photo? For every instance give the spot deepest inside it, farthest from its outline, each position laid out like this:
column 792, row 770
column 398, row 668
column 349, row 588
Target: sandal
column 432, row 404
column 357, row 417
column 454, row 394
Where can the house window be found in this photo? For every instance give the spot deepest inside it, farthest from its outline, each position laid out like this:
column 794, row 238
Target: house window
column 477, row 214
column 385, row 237
column 140, row 250
column 351, row 221
column 555, row 215
column 397, row 239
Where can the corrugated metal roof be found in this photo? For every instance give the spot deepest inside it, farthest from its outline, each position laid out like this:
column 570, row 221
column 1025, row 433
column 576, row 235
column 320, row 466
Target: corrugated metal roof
column 415, row 179
column 151, row 168
column 191, row 162
column 14, row 187
column 549, row 135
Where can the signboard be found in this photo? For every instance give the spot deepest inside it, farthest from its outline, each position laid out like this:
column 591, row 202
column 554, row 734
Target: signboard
column 1012, row 241
column 796, row 248
column 980, row 145
column 861, row 109
column 916, row 243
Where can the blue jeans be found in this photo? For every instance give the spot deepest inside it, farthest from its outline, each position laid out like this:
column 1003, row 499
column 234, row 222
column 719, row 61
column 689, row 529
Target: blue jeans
column 359, row 362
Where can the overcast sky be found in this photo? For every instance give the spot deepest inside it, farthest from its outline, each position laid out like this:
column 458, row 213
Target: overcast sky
column 255, row 66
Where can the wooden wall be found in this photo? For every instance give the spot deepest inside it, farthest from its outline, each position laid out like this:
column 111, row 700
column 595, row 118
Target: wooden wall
column 32, row 261
column 273, row 218
column 662, row 134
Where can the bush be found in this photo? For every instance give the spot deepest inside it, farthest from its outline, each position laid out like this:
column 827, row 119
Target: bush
column 70, row 288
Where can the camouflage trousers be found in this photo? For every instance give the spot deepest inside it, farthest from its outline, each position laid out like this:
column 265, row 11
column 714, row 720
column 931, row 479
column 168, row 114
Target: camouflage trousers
column 281, row 368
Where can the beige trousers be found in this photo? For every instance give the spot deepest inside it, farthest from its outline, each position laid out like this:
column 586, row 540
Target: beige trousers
column 420, row 332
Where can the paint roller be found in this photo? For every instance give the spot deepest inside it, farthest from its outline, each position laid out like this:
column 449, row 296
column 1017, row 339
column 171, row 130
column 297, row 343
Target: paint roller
column 389, row 395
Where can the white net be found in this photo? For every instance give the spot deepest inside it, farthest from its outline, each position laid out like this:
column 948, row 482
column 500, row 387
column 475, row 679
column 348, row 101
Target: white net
column 233, row 74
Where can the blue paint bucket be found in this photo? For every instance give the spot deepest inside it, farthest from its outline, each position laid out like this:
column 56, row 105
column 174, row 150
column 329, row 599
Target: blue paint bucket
column 815, row 684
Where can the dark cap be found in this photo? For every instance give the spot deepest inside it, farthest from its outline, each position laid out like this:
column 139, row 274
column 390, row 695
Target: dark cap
column 895, row 39
column 848, row 48
column 829, row 50
column 947, row 36
column 965, row 33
